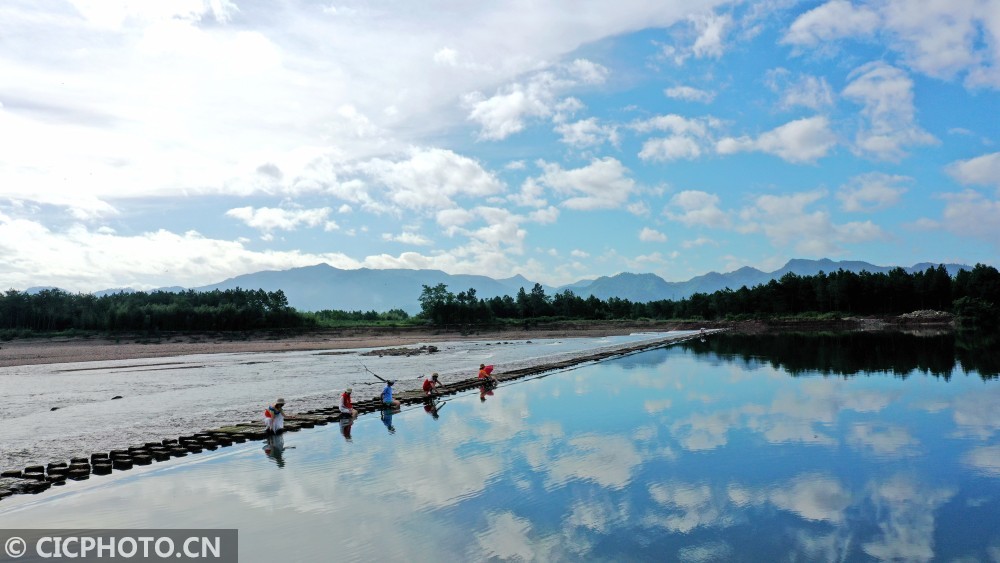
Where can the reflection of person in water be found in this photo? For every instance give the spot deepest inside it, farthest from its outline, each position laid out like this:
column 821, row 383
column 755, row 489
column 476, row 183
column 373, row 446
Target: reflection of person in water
column 345, row 427
column 387, row 420
column 274, row 447
column 485, row 390
column 431, row 407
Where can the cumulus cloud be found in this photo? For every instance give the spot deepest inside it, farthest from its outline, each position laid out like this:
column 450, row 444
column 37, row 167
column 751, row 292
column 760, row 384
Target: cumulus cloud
column 270, row 218
column 507, row 112
column 982, row 170
column 786, row 221
column 693, row 207
column 651, row 235
column 836, row 19
column 82, row 259
column 587, row 132
column 939, row 39
column 700, row 241
column 803, row 90
column 802, row 140
column 872, row 191
column 687, row 138
column 886, row 96
column 690, row 94
column 712, row 30
column 407, row 238
column 970, row 213
column 430, row 178
column 602, row 184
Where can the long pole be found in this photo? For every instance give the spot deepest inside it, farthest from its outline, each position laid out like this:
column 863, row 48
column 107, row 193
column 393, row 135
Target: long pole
column 375, row 374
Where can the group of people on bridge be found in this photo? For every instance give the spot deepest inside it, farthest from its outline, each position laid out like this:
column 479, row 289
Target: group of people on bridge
column 432, row 387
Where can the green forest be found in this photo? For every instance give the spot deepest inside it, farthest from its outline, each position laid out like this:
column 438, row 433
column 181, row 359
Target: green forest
column 973, row 295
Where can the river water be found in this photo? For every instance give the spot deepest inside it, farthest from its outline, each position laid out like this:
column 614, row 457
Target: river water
column 163, row 397
column 776, row 448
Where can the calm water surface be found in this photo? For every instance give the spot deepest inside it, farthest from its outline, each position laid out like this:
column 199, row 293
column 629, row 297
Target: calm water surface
column 738, row 448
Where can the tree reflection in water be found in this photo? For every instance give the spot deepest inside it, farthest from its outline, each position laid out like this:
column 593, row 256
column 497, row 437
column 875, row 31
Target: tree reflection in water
column 850, row 353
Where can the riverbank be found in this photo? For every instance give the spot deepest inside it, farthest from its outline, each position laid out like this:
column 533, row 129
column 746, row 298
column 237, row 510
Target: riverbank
column 37, row 351
column 148, row 447
column 59, row 411
column 42, row 350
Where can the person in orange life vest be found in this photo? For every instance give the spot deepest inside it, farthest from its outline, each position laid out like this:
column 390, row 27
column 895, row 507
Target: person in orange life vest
column 346, row 407
column 274, row 417
column 431, row 385
column 486, row 373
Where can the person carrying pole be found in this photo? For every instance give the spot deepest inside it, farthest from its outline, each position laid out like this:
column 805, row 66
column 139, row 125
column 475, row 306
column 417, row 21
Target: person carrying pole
column 386, row 396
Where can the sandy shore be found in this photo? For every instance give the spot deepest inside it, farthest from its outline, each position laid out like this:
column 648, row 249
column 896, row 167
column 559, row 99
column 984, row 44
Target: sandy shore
column 35, row 351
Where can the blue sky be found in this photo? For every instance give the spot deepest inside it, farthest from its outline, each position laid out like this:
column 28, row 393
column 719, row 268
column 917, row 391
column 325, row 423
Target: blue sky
column 157, row 144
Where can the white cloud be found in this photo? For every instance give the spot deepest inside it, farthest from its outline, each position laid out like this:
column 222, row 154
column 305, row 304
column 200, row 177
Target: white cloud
column 687, row 138
column 446, row 56
column 802, row 91
column 886, row 94
column 697, row 208
column 80, row 259
column 872, row 191
column 651, row 235
column 802, row 140
column 506, row 112
column 407, row 238
column 785, row 221
column 690, row 94
column 700, row 241
column 548, row 215
column 602, row 184
column 577, row 253
column 588, row 72
column 712, row 29
column 670, row 148
column 454, row 217
column 270, row 218
column 969, row 213
column 982, row 170
column 430, row 178
column 939, row 39
column 677, row 124
column 834, row 20
column 587, row 132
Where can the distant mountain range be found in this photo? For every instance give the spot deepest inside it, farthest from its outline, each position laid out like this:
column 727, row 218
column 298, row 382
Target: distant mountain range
column 318, row 287
column 314, row 288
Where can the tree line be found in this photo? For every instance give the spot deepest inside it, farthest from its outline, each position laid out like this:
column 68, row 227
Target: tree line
column 971, row 294
column 54, row 310
column 846, row 354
